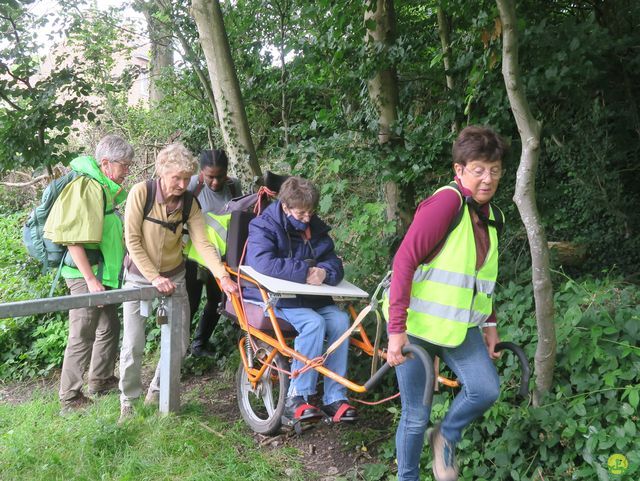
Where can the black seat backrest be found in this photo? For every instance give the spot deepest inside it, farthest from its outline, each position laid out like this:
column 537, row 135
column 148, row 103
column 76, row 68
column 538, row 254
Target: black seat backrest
column 242, row 213
column 274, row 181
column 237, row 234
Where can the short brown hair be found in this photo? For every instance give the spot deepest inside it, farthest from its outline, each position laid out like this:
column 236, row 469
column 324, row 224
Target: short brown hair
column 299, row 193
column 477, row 142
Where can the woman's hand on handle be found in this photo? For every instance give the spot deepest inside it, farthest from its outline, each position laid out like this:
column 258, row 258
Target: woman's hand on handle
column 164, row 285
column 491, row 338
column 228, row 286
column 394, row 350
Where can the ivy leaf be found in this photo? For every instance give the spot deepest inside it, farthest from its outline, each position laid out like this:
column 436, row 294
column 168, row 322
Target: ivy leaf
column 325, row 203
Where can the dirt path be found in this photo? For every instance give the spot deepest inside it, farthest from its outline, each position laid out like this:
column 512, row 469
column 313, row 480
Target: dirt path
column 328, row 452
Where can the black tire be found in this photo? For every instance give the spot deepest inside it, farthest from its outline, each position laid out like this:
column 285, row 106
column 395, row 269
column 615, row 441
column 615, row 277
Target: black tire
column 263, row 406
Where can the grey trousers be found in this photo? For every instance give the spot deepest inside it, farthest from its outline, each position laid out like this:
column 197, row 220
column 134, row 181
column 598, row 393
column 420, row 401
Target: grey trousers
column 134, row 338
column 93, row 342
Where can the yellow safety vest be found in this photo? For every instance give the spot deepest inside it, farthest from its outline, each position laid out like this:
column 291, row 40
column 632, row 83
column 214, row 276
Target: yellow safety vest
column 216, row 227
column 448, row 294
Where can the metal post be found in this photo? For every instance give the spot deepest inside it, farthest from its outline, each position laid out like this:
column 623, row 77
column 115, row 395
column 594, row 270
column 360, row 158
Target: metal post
column 171, row 358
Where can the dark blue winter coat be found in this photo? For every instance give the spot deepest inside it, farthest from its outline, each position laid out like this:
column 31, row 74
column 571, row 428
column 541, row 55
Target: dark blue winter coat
column 276, row 249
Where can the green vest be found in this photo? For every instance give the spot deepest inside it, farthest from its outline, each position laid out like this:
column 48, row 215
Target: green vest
column 217, row 226
column 448, row 294
column 111, row 246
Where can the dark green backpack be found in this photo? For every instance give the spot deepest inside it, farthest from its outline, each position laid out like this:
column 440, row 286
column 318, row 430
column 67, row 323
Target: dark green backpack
column 48, row 253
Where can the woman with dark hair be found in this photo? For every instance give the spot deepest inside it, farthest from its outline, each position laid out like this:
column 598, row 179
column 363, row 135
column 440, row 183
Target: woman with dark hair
column 213, row 189
column 444, row 275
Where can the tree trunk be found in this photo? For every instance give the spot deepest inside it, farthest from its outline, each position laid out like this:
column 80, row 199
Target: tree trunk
column 445, row 40
column 383, row 90
column 283, row 78
column 161, row 52
column 226, row 89
column 525, row 199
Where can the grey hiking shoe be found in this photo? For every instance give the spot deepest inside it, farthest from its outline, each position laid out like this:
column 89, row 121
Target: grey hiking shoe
column 152, row 398
column 126, row 413
column 76, row 405
column 444, row 456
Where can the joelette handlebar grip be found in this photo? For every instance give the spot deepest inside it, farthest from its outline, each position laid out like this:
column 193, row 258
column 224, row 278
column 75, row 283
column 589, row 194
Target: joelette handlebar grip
column 421, row 354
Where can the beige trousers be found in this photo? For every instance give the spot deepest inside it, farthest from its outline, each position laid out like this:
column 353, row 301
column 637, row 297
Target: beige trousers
column 93, row 343
column 134, row 338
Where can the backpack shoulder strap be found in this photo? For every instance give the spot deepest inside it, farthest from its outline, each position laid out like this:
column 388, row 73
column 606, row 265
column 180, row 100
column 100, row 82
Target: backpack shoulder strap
column 187, row 203
column 498, row 215
column 151, row 197
column 456, row 220
column 103, row 189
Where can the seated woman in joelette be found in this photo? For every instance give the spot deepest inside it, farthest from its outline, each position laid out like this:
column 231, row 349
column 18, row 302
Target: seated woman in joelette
column 290, row 242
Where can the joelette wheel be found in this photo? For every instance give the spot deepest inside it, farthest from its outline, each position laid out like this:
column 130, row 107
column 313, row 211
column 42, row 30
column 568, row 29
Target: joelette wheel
column 262, row 406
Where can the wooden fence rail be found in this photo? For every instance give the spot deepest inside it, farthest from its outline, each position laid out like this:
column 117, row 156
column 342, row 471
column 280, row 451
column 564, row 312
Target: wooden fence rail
column 170, row 358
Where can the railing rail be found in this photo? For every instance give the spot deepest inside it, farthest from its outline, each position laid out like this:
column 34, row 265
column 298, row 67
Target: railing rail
column 170, row 358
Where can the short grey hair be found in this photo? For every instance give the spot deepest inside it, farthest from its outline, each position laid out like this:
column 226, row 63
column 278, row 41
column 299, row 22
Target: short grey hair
column 176, row 157
column 299, row 193
column 114, row 148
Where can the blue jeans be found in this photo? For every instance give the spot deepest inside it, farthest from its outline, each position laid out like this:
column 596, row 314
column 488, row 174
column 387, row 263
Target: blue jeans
column 473, row 367
column 312, row 326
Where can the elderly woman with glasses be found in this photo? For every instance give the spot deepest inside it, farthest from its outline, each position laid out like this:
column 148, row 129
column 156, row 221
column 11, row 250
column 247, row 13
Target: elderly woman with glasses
column 290, row 242
column 444, row 274
column 154, row 244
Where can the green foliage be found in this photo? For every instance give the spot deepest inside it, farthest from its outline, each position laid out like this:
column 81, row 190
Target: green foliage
column 29, row 346
column 14, row 199
column 345, row 170
column 38, row 109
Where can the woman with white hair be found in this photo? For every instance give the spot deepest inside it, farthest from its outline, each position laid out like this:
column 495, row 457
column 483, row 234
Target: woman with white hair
column 154, row 244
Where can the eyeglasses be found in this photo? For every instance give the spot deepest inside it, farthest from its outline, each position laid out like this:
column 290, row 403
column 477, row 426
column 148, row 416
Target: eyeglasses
column 480, row 172
column 122, row 163
column 300, row 213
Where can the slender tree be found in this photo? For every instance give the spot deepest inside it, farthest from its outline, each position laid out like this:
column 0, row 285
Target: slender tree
column 160, row 51
column 380, row 20
column 444, row 30
column 525, row 199
column 226, row 88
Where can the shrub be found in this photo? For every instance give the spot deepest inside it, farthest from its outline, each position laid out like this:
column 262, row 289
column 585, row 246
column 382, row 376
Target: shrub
column 29, row 346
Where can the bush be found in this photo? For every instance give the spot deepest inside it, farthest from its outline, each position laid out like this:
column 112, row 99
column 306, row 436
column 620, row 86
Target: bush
column 29, row 346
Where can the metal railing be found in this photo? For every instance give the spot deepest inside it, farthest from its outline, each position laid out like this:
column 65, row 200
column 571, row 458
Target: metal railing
column 170, row 359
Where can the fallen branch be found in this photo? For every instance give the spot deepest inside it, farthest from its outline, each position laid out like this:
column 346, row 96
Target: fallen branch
column 212, row 431
column 25, row 184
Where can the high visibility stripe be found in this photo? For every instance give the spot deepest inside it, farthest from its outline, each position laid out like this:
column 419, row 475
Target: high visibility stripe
column 445, row 277
column 456, row 279
column 446, row 312
column 484, row 286
column 216, row 226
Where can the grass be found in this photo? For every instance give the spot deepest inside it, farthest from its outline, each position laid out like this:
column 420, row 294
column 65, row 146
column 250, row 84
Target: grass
column 37, row 444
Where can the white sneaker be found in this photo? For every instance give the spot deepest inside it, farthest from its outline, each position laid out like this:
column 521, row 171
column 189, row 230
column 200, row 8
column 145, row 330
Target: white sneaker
column 126, row 413
column 444, row 456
